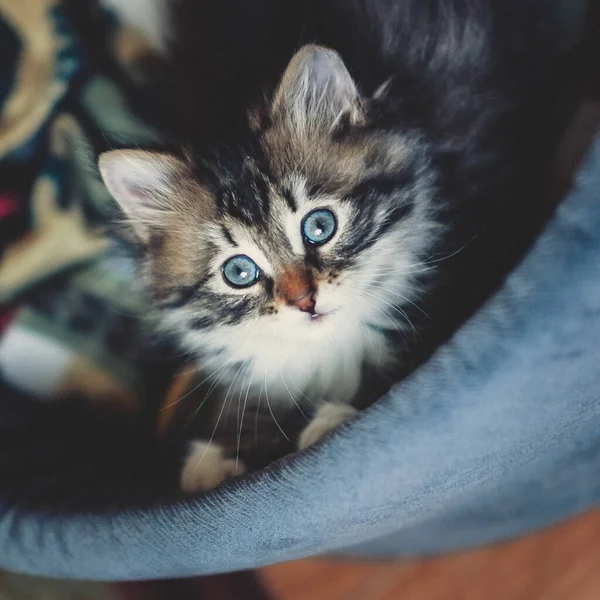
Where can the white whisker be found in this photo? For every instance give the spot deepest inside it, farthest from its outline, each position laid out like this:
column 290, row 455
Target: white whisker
column 271, row 411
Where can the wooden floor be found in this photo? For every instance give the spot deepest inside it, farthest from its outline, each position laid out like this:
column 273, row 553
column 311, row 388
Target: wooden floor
column 562, row 563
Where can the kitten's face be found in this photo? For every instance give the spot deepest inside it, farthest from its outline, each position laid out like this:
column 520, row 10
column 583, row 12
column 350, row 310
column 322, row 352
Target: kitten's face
column 295, row 254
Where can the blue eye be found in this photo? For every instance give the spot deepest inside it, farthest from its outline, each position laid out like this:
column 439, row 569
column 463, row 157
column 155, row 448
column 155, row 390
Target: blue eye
column 319, row 226
column 240, row 271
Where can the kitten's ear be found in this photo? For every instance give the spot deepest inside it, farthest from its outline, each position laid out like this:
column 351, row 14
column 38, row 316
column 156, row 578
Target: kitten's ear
column 317, row 91
column 143, row 183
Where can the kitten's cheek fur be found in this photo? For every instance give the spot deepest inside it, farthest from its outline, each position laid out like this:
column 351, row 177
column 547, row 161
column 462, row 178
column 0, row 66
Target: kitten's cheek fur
column 327, row 418
column 206, row 467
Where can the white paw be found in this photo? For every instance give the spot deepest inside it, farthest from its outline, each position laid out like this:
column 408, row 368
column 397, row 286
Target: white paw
column 326, row 419
column 206, row 467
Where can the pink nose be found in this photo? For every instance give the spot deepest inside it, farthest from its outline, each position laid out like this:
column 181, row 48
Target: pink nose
column 294, row 287
column 305, row 303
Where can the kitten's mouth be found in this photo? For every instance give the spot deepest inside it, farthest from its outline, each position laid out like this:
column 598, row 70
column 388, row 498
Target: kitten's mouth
column 318, row 317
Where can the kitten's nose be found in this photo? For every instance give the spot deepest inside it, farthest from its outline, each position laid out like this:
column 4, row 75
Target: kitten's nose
column 305, row 303
column 294, row 287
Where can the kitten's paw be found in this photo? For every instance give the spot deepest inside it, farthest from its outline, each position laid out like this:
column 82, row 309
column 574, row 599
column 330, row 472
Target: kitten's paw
column 206, row 467
column 327, row 418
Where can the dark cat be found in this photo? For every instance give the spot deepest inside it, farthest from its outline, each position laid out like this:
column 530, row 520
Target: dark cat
column 341, row 215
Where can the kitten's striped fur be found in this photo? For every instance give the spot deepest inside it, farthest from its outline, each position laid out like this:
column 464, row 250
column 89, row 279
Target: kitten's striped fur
column 420, row 124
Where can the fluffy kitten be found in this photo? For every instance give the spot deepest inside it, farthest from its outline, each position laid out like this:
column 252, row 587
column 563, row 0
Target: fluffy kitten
column 338, row 216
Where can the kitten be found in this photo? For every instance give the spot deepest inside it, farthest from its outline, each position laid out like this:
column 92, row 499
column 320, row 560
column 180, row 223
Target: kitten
column 337, row 218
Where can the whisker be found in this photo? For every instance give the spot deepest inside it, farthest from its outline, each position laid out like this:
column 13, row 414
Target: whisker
column 290, row 394
column 271, row 411
column 295, row 385
column 413, row 304
column 214, row 431
column 393, row 307
column 397, row 293
column 239, row 437
column 203, row 402
column 394, row 323
column 368, row 329
column 198, row 386
column 256, row 414
column 453, row 253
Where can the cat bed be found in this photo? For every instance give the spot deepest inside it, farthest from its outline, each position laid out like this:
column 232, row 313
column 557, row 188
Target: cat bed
column 495, row 436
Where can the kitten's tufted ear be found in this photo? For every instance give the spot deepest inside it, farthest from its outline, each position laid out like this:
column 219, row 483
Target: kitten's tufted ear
column 144, row 184
column 316, row 91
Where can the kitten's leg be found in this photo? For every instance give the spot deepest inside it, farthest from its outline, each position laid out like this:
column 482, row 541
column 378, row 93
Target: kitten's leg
column 206, row 467
column 326, row 419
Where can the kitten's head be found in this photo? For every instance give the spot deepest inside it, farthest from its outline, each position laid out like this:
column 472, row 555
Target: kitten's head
column 292, row 250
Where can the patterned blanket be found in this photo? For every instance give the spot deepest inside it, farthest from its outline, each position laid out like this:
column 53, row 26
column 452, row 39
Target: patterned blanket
column 70, row 318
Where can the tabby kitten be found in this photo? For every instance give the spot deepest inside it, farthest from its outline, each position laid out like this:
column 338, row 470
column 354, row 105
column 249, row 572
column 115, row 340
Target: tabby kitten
column 338, row 216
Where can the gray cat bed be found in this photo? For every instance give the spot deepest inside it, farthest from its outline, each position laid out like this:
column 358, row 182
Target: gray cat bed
column 495, row 436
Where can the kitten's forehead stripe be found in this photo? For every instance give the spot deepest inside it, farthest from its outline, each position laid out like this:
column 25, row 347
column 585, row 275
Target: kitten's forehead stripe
column 288, row 195
column 227, row 235
column 244, row 204
column 243, row 190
